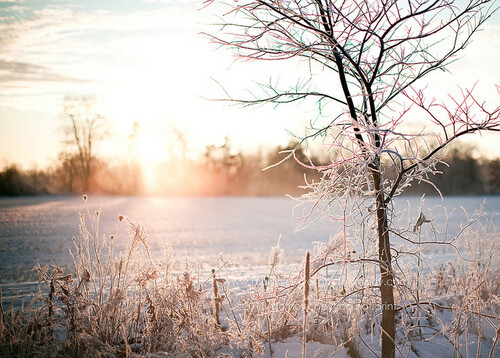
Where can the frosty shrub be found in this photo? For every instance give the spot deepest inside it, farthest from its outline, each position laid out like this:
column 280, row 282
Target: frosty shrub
column 112, row 305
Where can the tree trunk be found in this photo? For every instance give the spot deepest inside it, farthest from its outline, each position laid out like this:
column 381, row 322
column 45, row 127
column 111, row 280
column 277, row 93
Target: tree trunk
column 386, row 275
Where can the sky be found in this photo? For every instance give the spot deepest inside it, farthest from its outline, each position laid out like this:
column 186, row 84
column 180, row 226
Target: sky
column 147, row 62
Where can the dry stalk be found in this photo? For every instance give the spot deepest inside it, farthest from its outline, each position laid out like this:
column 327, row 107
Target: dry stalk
column 307, row 275
column 217, row 299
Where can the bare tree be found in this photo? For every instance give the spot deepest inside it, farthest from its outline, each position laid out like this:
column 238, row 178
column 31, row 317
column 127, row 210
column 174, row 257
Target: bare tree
column 378, row 52
column 83, row 129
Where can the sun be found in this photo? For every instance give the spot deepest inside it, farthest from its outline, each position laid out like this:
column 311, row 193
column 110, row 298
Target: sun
column 150, row 148
column 150, row 154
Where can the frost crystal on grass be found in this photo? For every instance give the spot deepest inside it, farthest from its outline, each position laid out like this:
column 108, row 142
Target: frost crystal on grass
column 275, row 254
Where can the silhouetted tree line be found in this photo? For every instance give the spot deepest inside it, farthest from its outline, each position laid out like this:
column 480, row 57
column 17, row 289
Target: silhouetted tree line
column 14, row 182
column 463, row 175
column 221, row 171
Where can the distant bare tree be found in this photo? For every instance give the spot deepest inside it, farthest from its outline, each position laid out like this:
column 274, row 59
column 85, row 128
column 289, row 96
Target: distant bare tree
column 67, row 172
column 374, row 53
column 83, row 129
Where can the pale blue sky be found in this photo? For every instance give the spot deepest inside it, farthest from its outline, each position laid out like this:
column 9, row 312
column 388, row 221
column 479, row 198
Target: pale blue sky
column 145, row 61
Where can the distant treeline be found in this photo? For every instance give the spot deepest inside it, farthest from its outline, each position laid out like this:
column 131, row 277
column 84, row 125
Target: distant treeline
column 462, row 175
column 222, row 172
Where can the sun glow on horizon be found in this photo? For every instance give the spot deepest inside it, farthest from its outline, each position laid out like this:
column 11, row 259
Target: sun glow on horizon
column 149, row 152
column 150, row 148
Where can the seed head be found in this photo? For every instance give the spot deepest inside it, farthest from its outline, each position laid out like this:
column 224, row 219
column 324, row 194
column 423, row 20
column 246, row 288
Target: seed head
column 120, row 217
column 307, row 276
column 85, row 197
column 275, row 254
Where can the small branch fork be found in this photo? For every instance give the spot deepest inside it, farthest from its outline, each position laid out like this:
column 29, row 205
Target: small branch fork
column 468, row 116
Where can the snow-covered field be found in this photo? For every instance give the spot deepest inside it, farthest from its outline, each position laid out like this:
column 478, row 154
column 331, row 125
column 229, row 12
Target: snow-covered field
column 204, row 231
column 40, row 229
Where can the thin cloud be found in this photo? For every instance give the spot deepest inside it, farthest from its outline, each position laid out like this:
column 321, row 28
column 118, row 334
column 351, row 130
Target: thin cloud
column 18, row 8
column 60, row 44
column 54, row 22
column 42, row 23
column 13, row 71
column 173, row 2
